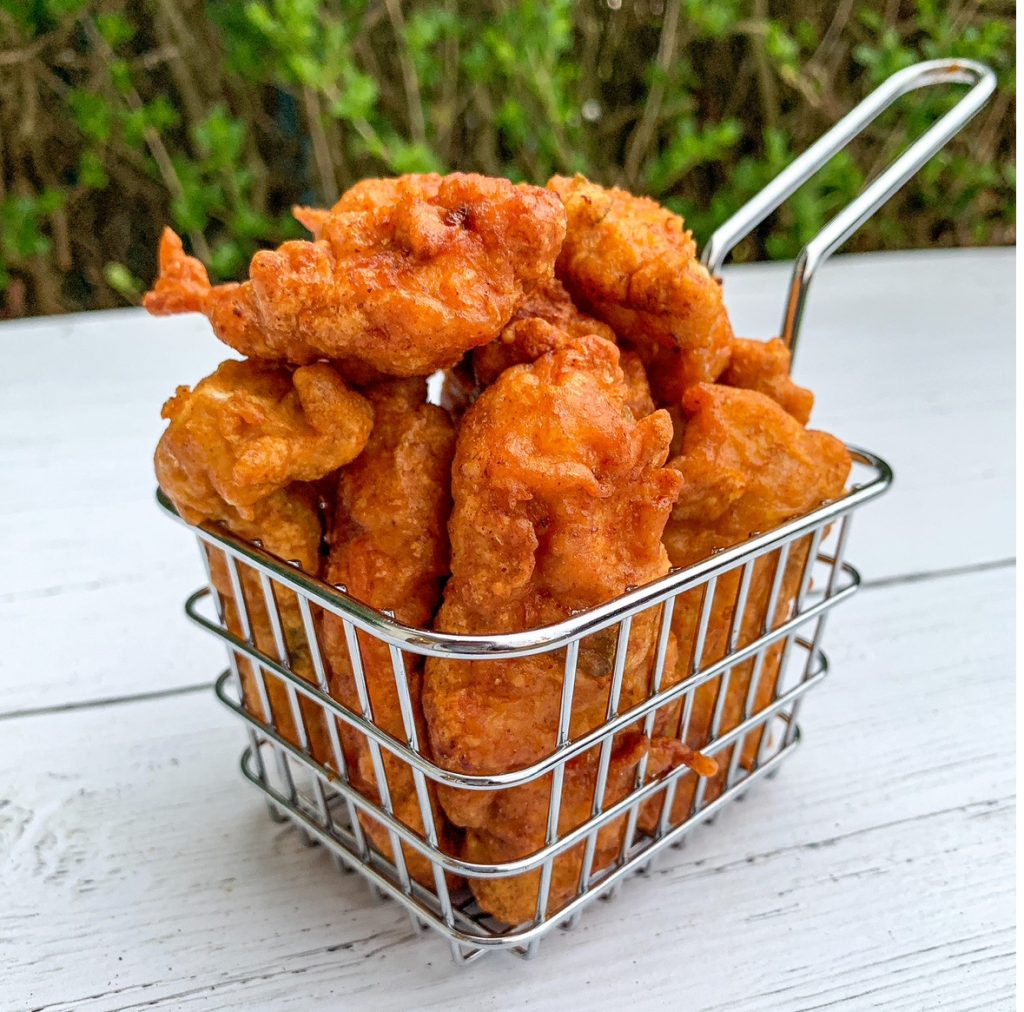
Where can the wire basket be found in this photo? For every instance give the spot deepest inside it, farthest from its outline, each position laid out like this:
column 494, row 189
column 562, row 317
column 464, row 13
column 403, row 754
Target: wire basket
column 754, row 617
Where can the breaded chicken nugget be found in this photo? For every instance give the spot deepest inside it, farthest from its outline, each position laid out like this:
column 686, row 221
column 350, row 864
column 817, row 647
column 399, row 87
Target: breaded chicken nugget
column 633, row 264
column 764, row 366
column 550, row 471
column 243, row 448
column 404, row 286
column 389, row 548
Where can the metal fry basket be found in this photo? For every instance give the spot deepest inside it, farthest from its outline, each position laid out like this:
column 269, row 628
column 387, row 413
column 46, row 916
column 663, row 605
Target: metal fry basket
column 754, row 617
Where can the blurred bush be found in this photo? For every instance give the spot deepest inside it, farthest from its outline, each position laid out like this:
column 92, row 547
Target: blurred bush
column 215, row 116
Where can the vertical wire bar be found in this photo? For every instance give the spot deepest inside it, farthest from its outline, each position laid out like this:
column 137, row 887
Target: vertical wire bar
column 839, row 553
column 707, row 600
column 356, row 660
column 320, row 670
column 656, row 677
column 601, row 781
column 281, row 646
column 301, row 731
column 748, row 708
column 741, row 607
column 218, row 600
column 419, row 780
column 808, row 573
column 260, row 676
column 572, row 653
column 724, row 679
column 787, row 644
column 781, row 560
column 819, row 625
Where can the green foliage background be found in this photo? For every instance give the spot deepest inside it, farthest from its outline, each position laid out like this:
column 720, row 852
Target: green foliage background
column 215, row 116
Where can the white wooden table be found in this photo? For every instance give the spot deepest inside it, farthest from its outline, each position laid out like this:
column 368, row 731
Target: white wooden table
column 138, row 869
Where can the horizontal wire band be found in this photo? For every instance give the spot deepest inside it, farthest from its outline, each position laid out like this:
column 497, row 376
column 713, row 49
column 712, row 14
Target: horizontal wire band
column 431, row 643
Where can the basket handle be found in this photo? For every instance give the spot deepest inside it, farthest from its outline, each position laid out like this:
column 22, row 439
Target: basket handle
column 844, row 224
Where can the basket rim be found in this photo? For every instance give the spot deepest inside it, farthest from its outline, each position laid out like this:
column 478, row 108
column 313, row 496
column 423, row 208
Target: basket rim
column 461, row 646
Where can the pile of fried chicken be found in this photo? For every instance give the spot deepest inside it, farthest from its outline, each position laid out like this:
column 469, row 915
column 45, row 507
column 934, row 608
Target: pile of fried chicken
column 599, row 424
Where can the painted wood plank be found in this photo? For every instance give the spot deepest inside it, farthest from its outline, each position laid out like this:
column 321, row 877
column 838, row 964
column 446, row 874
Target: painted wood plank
column 878, row 868
column 94, row 576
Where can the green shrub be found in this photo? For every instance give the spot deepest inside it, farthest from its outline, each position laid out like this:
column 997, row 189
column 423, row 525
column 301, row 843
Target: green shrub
column 216, row 116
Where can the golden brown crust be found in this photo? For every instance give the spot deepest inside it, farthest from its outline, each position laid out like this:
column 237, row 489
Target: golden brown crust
column 250, row 429
column 764, row 366
column 243, row 448
column 748, row 466
column 550, row 469
column 389, row 548
column 369, row 195
column 546, row 320
column 632, row 263
column 405, row 284
column 638, row 390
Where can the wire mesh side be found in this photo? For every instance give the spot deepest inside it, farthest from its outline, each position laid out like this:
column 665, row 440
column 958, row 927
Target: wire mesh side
column 708, row 683
column 469, row 930
column 838, row 583
column 656, row 710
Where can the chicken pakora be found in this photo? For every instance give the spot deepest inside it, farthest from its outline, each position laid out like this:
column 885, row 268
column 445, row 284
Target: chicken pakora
column 549, row 467
column 389, row 549
column 633, row 264
column 403, row 286
column 244, row 448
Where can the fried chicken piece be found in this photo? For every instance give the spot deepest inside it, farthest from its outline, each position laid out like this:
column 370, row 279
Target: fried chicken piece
column 546, row 320
column 633, row 264
column 639, row 399
column 312, row 219
column 243, row 448
column 549, row 470
column 764, row 366
column 389, row 548
column 748, row 467
column 370, row 195
column 404, row 285
column 252, row 428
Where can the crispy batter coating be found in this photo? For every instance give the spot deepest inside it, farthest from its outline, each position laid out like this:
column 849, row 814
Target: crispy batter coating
column 252, row 428
column 764, row 366
column 748, row 467
column 639, row 399
column 633, row 264
column 243, row 448
column 404, row 285
column 549, row 470
column 389, row 547
column 370, row 195
column 545, row 320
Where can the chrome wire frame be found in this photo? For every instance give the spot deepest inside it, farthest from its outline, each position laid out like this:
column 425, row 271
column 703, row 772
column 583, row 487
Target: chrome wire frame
column 750, row 744
column 921, row 75
column 317, row 794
